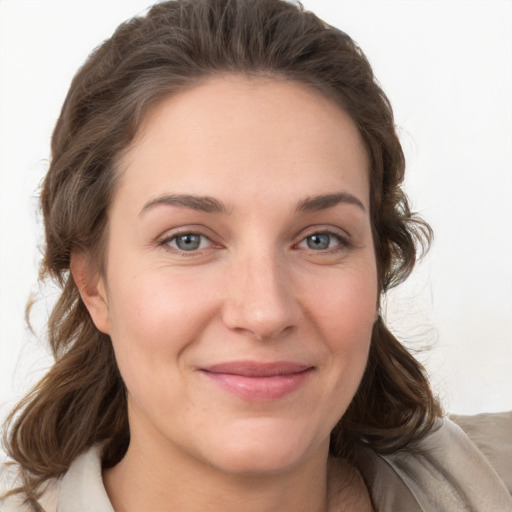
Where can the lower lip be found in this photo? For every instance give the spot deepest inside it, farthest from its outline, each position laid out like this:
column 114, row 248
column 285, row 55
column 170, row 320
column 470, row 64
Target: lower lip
column 259, row 389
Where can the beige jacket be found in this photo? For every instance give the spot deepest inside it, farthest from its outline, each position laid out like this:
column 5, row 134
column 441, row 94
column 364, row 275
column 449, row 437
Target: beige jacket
column 455, row 469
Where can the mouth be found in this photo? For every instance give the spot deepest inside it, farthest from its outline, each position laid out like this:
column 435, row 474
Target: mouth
column 257, row 381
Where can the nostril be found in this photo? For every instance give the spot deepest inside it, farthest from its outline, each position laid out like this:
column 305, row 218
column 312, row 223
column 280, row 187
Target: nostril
column 261, row 324
column 269, row 335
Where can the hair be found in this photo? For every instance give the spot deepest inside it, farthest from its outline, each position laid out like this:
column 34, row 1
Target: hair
column 177, row 44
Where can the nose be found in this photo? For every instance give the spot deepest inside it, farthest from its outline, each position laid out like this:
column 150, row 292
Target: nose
column 260, row 299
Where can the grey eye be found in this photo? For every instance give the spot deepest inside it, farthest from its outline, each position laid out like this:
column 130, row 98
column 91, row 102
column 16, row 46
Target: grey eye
column 188, row 242
column 318, row 241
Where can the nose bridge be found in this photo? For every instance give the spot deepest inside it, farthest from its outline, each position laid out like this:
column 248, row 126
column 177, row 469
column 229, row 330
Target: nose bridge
column 261, row 299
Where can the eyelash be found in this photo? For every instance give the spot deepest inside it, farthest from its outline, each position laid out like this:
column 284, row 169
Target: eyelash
column 344, row 242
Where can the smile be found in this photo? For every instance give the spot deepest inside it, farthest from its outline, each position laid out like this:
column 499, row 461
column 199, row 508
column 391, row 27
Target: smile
column 258, row 382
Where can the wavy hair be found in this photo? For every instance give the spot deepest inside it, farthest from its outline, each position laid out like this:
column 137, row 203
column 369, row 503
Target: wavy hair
column 176, row 45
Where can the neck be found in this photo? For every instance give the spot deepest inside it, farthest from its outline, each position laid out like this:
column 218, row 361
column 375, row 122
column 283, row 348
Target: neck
column 158, row 475
column 148, row 480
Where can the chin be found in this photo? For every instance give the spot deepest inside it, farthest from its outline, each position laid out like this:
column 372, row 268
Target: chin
column 257, row 461
column 271, row 450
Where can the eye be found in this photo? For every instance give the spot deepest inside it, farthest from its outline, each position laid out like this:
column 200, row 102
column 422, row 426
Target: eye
column 323, row 241
column 318, row 241
column 188, row 242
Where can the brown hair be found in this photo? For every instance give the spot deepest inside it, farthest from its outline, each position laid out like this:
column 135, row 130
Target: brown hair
column 81, row 401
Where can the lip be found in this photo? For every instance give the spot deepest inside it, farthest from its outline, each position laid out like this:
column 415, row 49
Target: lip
column 258, row 381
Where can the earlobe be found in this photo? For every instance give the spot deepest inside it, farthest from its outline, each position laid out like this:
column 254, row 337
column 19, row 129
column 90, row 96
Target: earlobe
column 92, row 289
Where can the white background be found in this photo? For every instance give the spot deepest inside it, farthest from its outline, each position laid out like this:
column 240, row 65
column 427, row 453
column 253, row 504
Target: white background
column 447, row 68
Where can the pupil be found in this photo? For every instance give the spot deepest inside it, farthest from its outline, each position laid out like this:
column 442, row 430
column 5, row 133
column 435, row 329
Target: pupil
column 188, row 242
column 318, row 241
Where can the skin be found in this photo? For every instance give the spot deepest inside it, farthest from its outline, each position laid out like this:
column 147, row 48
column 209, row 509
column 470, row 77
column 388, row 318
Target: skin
column 257, row 288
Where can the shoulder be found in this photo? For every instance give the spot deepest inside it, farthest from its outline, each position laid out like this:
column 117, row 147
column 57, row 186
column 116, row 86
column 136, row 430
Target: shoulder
column 80, row 489
column 82, row 486
column 446, row 470
column 449, row 467
column 492, row 435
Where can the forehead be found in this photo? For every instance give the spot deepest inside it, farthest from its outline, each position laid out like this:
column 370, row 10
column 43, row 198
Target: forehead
column 263, row 136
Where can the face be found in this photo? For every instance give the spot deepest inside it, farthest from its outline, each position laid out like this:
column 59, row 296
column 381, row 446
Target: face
column 240, row 287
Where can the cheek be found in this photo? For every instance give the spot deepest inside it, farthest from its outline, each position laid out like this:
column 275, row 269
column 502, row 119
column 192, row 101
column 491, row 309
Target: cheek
column 346, row 315
column 153, row 318
column 348, row 305
column 340, row 310
column 156, row 304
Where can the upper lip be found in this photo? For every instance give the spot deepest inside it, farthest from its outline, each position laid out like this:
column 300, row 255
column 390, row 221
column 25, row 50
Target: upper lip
column 257, row 369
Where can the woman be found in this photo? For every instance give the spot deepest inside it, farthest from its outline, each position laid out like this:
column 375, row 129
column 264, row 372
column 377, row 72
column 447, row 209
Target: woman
column 223, row 211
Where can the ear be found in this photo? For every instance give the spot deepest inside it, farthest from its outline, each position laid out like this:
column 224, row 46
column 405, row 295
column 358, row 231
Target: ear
column 92, row 289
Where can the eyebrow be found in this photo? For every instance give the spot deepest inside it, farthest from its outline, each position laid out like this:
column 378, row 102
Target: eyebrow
column 211, row 205
column 201, row 203
column 325, row 201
